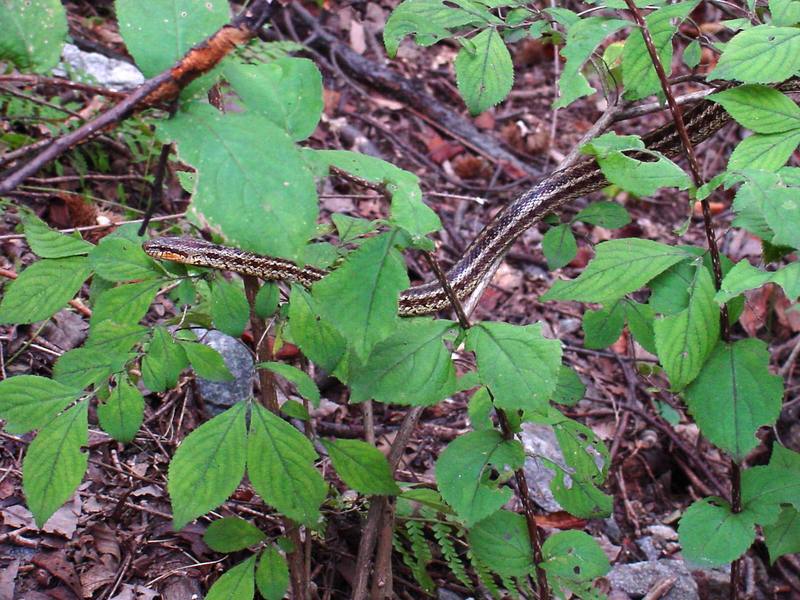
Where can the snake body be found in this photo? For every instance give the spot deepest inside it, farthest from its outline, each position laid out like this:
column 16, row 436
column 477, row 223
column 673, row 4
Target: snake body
column 489, row 246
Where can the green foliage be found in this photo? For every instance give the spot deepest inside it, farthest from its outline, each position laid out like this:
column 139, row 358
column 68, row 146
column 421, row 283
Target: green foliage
column 54, row 463
column 501, row 542
column 30, row 402
column 229, row 308
column 232, row 534
column 157, row 34
column 572, row 560
column 32, row 33
column 121, row 414
column 43, row 288
column 48, row 243
column 280, row 467
column 362, row 467
column 734, row 395
column 208, row 465
column 272, row 574
column 763, row 54
column 559, row 246
column 237, row 583
column 163, row 362
column 517, row 364
column 464, row 468
column 484, row 72
column 305, row 385
column 711, row 534
column 206, row 361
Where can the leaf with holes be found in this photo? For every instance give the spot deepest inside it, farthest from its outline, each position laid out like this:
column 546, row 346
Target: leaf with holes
column 502, row 543
column 208, row 466
column 573, row 558
column 464, row 471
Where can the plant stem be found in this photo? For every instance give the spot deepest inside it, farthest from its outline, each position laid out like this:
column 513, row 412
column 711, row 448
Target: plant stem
column 543, row 591
column 716, row 263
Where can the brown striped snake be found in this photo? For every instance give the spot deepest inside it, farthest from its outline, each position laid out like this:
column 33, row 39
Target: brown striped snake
column 492, row 242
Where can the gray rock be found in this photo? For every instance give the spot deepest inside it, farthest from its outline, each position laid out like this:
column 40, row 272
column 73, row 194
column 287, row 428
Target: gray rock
column 540, row 441
column 637, row 579
column 110, row 73
column 444, row 594
column 221, row 395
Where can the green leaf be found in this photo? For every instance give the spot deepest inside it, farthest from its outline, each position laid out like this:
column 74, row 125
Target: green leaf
column 124, row 304
column 606, row 144
column 559, row 246
column 42, row 289
column 29, row 402
column 208, row 465
column 692, row 54
column 582, row 38
column 766, row 488
column 764, row 151
column 518, row 364
column 745, row 276
column 237, row 583
column 280, row 465
column 603, row 327
column 464, row 468
column 121, row 415
column 763, row 54
column 267, row 299
column 157, row 34
column 581, row 447
column 90, row 365
column 362, row 467
column 569, row 387
column 232, row 534
column 684, row 340
column 783, row 216
column 118, row 259
column 573, row 557
column 604, row 214
column 750, row 201
column 428, row 20
column 760, row 108
column 408, row 211
column 229, row 308
column 305, row 385
column 54, row 463
column 272, row 187
column 360, row 298
column 734, row 395
column 620, row 267
column 32, row 33
column 783, row 536
column 784, row 12
column 350, row 228
column 318, row 339
column 640, row 323
column 638, row 74
column 48, row 243
column 502, row 543
column 287, row 91
column 206, row 362
column 643, row 178
column 163, row 362
column 410, row 367
column 484, row 71
column 712, row 535
column 272, row 575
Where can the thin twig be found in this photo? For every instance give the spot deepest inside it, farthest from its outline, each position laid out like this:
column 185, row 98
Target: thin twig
column 19, row 236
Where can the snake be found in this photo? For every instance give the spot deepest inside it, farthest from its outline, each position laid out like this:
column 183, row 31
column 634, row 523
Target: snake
column 582, row 177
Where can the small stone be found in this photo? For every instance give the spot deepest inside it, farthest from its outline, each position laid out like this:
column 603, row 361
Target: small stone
column 637, row 579
column 219, row 396
column 116, row 75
